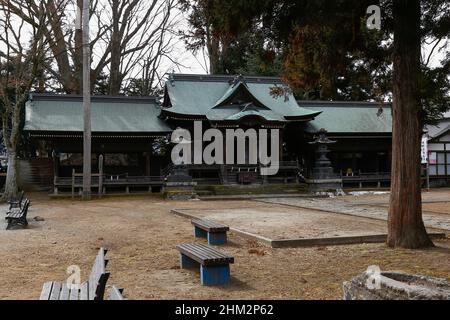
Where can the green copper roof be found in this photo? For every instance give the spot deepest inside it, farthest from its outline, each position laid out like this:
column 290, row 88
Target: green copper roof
column 210, row 96
column 56, row 113
column 233, row 90
column 350, row 117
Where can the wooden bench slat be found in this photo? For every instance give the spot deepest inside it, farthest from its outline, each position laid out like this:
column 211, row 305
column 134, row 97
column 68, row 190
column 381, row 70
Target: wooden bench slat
column 18, row 213
column 14, row 213
column 200, row 253
column 46, row 291
column 65, row 292
column 84, row 292
column 74, row 294
column 210, row 226
column 116, row 294
column 98, row 276
column 205, row 255
column 207, row 251
column 197, row 256
column 56, row 291
column 93, row 289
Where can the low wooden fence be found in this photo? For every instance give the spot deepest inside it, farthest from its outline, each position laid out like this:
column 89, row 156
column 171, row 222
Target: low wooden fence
column 361, row 178
column 102, row 182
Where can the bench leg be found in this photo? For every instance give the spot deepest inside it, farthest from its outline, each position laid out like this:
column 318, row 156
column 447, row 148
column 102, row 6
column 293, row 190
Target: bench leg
column 215, row 276
column 23, row 222
column 217, row 239
column 199, row 233
column 187, row 263
column 14, row 224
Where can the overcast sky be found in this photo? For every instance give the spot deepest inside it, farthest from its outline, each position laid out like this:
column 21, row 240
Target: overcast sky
column 190, row 63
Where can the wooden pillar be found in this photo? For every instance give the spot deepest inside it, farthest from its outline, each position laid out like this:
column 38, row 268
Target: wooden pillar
column 100, row 175
column 87, row 132
column 148, row 171
column 73, row 183
column 354, row 169
column 55, row 157
column 446, row 163
column 281, row 145
column 55, row 188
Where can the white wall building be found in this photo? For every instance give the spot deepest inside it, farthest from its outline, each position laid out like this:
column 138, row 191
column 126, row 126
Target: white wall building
column 439, row 151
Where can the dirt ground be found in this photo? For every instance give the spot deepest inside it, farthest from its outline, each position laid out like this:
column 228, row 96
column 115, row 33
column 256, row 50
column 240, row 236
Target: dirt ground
column 141, row 235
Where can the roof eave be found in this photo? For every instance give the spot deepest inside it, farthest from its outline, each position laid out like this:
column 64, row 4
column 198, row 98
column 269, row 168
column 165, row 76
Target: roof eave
column 165, row 113
column 304, row 118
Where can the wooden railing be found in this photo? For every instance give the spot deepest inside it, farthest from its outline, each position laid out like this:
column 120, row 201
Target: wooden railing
column 366, row 177
column 101, row 182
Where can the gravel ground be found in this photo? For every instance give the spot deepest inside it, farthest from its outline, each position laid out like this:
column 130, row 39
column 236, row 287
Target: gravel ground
column 141, row 236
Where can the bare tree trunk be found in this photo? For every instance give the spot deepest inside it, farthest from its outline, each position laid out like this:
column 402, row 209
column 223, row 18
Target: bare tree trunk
column 114, row 80
column 78, row 54
column 11, row 186
column 406, row 227
column 11, row 141
column 60, row 50
column 21, row 69
column 213, row 52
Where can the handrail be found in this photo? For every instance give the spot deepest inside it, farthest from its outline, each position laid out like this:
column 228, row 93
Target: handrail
column 365, row 174
column 59, row 180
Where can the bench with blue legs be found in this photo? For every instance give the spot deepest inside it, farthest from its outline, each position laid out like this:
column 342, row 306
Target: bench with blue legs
column 214, row 265
column 216, row 233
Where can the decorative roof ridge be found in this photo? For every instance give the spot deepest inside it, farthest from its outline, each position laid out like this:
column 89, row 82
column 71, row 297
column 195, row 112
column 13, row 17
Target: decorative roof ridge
column 94, row 98
column 356, row 104
column 223, row 78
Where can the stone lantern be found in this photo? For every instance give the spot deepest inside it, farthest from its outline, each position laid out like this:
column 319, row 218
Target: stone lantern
column 179, row 184
column 323, row 178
